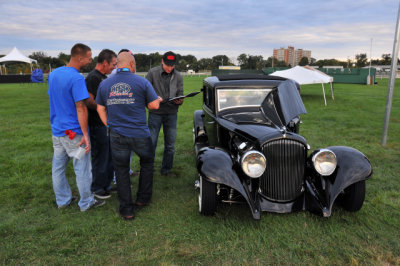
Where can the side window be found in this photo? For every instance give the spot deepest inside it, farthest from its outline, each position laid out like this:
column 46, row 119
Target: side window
column 209, row 97
column 205, row 95
column 210, row 93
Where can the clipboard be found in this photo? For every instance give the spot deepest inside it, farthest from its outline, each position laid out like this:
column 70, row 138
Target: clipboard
column 184, row 96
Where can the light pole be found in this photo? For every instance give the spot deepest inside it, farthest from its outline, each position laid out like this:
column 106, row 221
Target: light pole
column 392, row 80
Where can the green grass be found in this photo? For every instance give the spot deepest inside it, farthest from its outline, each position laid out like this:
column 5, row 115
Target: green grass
column 171, row 231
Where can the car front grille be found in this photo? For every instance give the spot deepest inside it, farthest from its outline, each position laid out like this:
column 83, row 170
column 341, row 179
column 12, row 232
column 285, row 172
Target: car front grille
column 283, row 177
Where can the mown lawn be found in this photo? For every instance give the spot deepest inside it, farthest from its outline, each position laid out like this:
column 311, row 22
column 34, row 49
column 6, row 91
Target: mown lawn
column 171, row 231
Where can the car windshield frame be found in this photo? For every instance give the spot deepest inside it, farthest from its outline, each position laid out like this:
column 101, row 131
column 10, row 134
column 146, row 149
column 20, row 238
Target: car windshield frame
column 233, row 97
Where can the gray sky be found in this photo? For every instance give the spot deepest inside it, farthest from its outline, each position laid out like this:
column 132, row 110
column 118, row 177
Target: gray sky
column 330, row 29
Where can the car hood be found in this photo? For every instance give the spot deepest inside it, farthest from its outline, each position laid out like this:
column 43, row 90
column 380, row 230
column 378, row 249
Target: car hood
column 259, row 132
column 283, row 104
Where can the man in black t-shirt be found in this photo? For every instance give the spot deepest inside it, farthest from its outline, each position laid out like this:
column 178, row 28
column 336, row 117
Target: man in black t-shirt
column 102, row 168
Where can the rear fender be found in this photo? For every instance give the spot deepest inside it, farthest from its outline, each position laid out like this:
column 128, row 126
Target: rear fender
column 215, row 165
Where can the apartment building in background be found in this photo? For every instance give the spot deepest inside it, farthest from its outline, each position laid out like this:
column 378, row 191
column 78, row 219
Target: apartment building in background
column 291, row 56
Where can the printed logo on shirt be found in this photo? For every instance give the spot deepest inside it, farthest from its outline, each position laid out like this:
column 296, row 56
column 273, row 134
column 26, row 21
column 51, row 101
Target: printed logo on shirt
column 121, row 89
column 120, row 94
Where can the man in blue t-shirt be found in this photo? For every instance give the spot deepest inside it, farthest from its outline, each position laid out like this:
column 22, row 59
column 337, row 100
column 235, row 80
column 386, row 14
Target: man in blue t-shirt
column 69, row 126
column 121, row 103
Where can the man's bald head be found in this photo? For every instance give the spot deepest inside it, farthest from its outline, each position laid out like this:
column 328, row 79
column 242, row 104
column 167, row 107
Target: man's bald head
column 125, row 59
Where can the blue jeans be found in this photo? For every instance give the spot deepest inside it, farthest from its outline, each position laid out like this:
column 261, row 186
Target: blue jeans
column 121, row 148
column 64, row 148
column 169, row 128
column 102, row 167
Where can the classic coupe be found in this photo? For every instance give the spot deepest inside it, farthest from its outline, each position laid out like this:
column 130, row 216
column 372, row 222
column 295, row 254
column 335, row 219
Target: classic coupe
column 249, row 149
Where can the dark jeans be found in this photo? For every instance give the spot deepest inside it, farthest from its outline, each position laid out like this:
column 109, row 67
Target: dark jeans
column 102, row 167
column 169, row 128
column 121, row 148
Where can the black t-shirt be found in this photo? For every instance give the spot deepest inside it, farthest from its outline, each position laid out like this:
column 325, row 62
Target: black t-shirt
column 93, row 80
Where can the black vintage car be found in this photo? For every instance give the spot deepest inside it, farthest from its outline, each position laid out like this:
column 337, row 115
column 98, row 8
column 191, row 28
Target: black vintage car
column 249, row 149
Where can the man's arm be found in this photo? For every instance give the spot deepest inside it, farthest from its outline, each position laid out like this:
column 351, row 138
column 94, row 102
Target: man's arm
column 154, row 104
column 82, row 112
column 102, row 113
column 180, row 90
column 90, row 102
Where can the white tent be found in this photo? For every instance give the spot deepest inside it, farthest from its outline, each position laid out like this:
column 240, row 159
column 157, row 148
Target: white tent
column 304, row 75
column 16, row 56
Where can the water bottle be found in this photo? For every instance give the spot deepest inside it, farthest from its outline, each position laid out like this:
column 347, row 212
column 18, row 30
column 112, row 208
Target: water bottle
column 80, row 152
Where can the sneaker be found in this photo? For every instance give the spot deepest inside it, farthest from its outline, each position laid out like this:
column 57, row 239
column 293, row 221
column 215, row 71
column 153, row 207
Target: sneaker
column 102, row 195
column 133, row 173
column 73, row 199
column 168, row 173
column 127, row 217
column 97, row 203
column 140, row 205
column 112, row 189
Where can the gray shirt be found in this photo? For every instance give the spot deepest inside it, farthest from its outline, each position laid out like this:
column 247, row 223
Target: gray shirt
column 166, row 86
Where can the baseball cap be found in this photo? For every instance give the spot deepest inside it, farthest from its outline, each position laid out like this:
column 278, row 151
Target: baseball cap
column 169, row 58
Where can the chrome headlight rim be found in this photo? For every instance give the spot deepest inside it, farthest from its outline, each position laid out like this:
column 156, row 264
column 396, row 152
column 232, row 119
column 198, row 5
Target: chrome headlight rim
column 316, row 159
column 246, row 156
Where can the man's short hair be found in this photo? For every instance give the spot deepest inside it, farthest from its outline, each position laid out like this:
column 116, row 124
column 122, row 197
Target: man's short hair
column 106, row 55
column 125, row 50
column 79, row 49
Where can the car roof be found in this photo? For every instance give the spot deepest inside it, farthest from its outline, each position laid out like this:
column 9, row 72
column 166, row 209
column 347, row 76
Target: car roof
column 243, row 80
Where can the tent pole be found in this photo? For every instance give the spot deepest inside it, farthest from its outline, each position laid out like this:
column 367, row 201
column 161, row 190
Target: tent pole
column 333, row 97
column 323, row 91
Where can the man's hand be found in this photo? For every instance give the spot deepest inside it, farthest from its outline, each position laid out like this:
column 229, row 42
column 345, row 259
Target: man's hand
column 82, row 113
column 178, row 102
column 154, row 105
column 85, row 140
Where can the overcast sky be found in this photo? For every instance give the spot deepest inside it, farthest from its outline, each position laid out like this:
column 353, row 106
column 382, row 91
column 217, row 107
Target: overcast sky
column 330, row 29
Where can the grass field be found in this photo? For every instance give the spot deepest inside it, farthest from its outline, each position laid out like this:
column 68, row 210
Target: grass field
column 171, row 231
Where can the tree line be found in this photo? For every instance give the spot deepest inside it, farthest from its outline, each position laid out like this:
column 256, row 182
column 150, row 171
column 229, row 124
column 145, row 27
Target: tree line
column 189, row 62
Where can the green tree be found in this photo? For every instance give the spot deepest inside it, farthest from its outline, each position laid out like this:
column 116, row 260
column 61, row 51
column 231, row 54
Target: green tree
column 143, row 62
column 204, row 64
column 303, row 61
column 255, row 62
column 361, row 60
column 64, row 58
column 220, row 60
column 242, row 60
column 386, row 59
column 330, row 62
column 184, row 62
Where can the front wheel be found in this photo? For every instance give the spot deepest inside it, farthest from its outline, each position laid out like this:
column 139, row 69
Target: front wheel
column 353, row 197
column 207, row 197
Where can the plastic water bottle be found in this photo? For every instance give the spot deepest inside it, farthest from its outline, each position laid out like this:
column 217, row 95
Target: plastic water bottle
column 80, row 152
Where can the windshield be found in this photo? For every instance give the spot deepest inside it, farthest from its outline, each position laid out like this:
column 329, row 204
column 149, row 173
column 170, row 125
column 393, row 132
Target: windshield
column 232, row 98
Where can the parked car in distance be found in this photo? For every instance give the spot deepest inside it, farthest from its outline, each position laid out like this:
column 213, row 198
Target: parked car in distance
column 249, row 149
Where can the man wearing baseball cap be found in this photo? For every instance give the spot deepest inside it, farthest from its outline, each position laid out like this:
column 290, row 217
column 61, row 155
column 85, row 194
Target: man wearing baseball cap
column 168, row 83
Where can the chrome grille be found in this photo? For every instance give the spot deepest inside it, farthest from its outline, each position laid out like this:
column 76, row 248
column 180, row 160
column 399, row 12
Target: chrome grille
column 283, row 177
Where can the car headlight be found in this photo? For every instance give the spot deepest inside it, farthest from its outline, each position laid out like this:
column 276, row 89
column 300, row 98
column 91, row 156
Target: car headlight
column 253, row 164
column 324, row 162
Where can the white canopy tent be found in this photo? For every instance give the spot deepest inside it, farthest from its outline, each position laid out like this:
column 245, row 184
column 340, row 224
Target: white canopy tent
column 306, row 75
column 16, row 56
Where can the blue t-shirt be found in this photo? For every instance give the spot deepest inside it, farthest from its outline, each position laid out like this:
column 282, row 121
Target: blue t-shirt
column 66, row 87
column 126, row 95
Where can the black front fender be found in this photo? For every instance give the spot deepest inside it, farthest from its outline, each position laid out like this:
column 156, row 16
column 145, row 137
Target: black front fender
column 216, row 166
column 352, row 166
column 199, row 130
